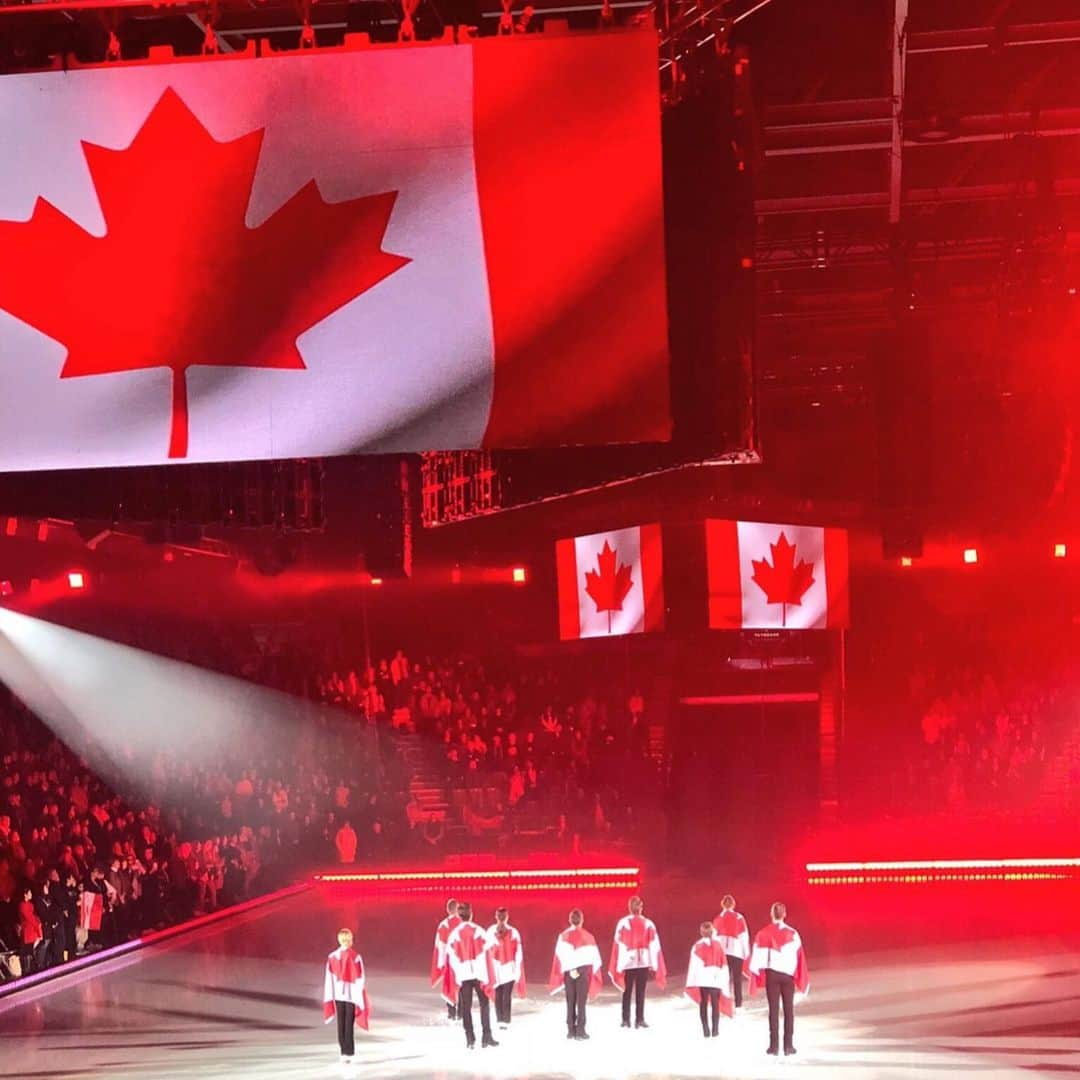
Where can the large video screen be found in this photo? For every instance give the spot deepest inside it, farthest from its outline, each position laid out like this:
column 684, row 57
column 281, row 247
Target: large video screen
column 339, row 251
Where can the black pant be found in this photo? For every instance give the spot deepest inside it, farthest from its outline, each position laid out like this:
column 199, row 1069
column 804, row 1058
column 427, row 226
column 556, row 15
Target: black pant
column 504, row 995
column 577, row 994
column 710, row 1001
column 735, row 964
column 779, row 986
column 346, row 1017
column 636, row 981
column 465, row 1008
column 451, row 1011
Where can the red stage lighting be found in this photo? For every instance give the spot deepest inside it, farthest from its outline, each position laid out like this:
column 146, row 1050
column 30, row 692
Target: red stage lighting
column 924, row 871
column 528, row 879
column 376, row 581
column 518, row 575
column 12, row 526
column 906, row 560
column 971, row 555
column 6, row 588
column 76, row 580
column 1059, row 551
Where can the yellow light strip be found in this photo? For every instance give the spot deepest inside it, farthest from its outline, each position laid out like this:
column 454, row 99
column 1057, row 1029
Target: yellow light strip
column 572, row 876
column 917, row 879
column 940, row 864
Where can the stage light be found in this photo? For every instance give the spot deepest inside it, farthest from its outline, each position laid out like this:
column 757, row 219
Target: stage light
column 1059, row 551
column 6, row 588
column 518, row 575
column 936, row 871
column 906, row 560
column 12, row 526
column 76, row 580
column 511, row 878
column 971, row 555
column 376, row 581
column 455, row 575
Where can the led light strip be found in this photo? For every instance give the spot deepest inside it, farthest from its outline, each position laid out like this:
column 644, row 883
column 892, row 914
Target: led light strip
column 919, row 879
column 437, row 886
column 610, row 877
column 459, row 875
column 941, row 864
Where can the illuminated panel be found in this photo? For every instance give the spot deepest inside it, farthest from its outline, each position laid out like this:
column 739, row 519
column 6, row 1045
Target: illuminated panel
column 337, row 192
column 924, row 871
column 524, row 880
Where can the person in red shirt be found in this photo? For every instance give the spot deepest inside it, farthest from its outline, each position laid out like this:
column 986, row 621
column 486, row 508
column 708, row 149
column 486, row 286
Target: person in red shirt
column 31, row 935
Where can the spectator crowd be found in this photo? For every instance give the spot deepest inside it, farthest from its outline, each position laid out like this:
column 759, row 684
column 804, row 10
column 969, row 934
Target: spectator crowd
column 515, row 755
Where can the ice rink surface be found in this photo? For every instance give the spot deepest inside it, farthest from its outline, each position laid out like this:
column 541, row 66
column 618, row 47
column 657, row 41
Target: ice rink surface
column 242, row 999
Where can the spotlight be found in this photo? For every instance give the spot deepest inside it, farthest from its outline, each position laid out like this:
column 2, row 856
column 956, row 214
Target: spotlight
column 518, row 575
column 971, row 555
column 906, row 560
column 76, row 580
column 6, row 588
column 376, row 581
column 1059, row 551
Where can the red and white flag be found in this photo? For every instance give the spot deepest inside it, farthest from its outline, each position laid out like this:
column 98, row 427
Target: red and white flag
column 776, row 576
column 611, row 583
column 364, row 250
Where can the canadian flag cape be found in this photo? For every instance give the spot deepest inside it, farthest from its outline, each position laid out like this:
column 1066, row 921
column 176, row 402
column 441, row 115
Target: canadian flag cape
column 777, row 947
column 733, row 934
column 91, row 907
column 576, row 948
column 611, row 583
column 708, row 967
column 440, row 971
column 767, row 576
column 468, row 956
column 507, row 958
column 636, row 944
column 387, row 250
column 345, row 981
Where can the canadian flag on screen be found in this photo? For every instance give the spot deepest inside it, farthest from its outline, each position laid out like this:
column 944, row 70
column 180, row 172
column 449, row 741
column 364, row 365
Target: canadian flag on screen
column 365, row 250
column 611, row 583
column 776, row 576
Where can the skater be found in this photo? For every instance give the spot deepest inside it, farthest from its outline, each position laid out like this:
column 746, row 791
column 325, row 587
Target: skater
column 708, row 981
column 508, row 965
column 778, row 963
column 734, row 935
column 469, row 963
column 345, row 994
column 576, row 968
column 440, row 971
column 635, row 954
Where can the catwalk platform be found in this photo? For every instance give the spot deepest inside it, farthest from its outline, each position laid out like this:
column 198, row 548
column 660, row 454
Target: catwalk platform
column 241, row 999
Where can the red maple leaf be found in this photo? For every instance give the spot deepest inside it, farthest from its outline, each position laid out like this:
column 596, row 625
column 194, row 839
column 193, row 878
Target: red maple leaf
column 179, row 279
column 609, row 587
column 783, row 582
